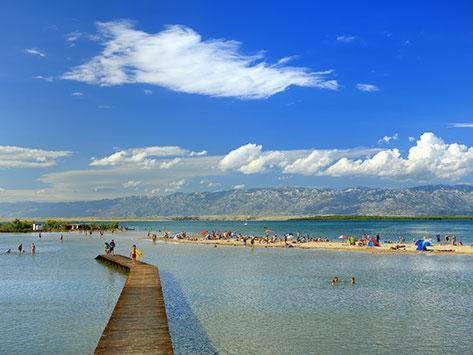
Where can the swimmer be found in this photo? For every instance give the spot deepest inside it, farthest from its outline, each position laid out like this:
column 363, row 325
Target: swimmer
column 353, row 280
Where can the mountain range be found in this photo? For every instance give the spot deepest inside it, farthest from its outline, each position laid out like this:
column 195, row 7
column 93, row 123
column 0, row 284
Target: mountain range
column 422, row 200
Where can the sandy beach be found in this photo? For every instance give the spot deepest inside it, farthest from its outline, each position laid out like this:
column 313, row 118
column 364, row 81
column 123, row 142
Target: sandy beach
column 385, row 248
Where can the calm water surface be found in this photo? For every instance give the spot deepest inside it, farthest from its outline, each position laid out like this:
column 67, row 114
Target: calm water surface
column 235, row 300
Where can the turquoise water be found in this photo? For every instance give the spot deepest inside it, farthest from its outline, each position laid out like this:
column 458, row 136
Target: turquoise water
column 389, row 230
column 236, row 300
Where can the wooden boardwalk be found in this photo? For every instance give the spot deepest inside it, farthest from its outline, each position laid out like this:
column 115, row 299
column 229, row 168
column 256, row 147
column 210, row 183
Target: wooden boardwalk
column 138, row 324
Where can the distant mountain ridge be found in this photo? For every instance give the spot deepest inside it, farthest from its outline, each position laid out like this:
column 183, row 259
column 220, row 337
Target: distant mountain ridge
column 421, row 200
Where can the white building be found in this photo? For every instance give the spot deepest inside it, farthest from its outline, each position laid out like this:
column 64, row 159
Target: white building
column 38, row 226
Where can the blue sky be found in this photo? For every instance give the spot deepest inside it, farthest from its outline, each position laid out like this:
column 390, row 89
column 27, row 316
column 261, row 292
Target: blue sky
column 112, row 98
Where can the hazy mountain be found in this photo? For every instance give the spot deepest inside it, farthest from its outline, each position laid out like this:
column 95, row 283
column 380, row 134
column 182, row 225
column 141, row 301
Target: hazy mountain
column 423, row 200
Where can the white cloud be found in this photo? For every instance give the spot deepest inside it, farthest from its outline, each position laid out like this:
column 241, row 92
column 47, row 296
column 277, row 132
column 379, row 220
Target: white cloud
column 77, row 94
column 388, row 139
column 174, row 186
column 73, row 37
column 148, row 92
column 45, row 78
column 346, row 38
column 210, row 184
column 169, row 163
column 428, row 159
column 198, row 154
column 35, row 51
column 249, row 159
column 131, row 184
column 367, row 87
column 19, row 157
column 239, row 187
column 178, row 58
column 431, row 158
column 105, row 107
column 462, row 125
column 312, row 163
column 412, row 139
column 146, row 157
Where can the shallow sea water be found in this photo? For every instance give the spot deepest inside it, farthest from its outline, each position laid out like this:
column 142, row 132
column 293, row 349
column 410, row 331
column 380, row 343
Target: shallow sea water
column 234, row 300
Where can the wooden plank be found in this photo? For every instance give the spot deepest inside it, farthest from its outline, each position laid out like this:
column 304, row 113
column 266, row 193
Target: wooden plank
column 138, row 324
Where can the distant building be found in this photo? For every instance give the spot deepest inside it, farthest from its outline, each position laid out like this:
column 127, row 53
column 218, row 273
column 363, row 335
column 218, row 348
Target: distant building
column 38, row 226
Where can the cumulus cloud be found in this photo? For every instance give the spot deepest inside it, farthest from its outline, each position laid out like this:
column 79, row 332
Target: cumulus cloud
column 250, row 159
column 19, row 157
column 77, row 94
column 169, row 163
column 429, row 159
column 367, row 87
column 312, row 163
column 144, row 157
column 179, row 59
column 35, row 52
column 388, row 139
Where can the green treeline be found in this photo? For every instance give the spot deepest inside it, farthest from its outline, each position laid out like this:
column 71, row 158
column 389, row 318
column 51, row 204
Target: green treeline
column 51, row 225
column 379, row 218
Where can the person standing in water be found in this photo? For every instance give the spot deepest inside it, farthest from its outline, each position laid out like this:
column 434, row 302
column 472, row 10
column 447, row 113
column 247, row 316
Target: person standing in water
column 20, row 248
column 62, row 238
column 33, row 249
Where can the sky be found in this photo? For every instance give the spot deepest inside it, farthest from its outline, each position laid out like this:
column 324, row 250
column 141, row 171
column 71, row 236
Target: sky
column 102, row 99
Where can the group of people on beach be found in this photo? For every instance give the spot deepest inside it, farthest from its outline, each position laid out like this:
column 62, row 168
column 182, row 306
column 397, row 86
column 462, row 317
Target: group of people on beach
column 288, row 239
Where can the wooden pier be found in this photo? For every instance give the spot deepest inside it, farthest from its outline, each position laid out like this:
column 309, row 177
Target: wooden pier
column 138, row 324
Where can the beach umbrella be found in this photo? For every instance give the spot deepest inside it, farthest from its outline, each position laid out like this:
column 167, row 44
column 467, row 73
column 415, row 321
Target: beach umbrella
column 344, row 236
column 204, row 233
column 268, row 231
